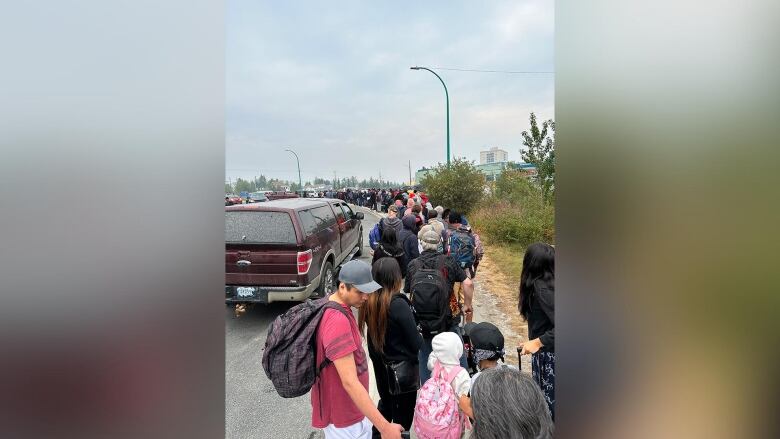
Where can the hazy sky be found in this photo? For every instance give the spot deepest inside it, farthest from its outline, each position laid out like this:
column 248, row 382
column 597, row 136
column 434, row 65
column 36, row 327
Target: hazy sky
column 331, row 80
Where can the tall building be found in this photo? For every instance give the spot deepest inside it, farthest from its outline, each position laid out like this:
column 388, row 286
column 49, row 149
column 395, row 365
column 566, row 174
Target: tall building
column 494, row 155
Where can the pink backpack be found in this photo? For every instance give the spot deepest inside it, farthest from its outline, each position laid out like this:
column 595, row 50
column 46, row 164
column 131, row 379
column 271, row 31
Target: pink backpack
column 436, row 413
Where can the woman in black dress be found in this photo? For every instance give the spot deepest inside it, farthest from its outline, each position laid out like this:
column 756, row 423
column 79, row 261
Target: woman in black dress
column 536, row 304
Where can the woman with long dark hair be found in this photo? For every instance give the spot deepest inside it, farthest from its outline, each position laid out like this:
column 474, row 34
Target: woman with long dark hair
column 537, row 306
column 393, row 344
column 388, row 247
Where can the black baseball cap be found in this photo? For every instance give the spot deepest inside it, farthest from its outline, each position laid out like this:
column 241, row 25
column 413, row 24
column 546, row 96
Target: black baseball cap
column 484, row 336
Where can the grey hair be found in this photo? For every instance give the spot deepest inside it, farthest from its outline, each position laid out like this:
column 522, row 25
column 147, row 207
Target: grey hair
column 508, row 404
column 429, row 246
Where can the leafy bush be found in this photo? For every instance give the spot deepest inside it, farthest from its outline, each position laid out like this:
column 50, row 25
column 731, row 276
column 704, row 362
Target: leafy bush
column 459, row 186
column 516, row 212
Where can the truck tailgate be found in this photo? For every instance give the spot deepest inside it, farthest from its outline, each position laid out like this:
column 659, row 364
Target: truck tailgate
column 261, row 264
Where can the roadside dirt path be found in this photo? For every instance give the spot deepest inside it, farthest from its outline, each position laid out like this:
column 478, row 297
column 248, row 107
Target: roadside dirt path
column 495, row 301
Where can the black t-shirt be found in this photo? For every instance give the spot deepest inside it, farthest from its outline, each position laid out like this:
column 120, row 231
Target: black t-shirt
column 402, row 340
column 541, row 316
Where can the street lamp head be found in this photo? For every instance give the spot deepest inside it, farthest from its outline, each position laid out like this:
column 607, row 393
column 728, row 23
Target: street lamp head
column 414, row 68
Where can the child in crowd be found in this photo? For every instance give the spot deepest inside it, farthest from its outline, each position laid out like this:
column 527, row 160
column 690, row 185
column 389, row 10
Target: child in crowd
column 447, row 350
column 487, row 347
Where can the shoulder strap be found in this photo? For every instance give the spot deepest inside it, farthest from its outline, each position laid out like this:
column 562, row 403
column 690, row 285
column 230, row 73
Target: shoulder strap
column 453, row 373
column 329, row 305
column 436, row 369
column 335, row 305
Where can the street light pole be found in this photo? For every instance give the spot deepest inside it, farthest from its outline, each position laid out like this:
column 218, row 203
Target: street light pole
column 299, row 170
column 447, row 96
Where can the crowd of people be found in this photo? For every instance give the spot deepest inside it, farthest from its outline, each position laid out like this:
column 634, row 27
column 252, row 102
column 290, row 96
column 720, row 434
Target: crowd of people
column 436, row 370
column 375, row 199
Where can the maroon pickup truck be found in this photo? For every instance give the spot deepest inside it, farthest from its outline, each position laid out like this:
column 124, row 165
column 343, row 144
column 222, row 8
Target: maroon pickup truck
column 288, row 250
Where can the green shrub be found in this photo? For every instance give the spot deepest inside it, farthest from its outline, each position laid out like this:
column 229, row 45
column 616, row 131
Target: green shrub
column 516, row 212
column 459, row 186
column 504, row 222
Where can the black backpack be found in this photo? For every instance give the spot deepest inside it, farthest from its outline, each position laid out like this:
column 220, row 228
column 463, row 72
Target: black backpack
column 290, row 355
column 430, row 294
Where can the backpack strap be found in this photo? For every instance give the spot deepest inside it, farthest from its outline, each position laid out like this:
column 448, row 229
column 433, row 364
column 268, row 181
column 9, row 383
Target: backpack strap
column 329, row 305
column 453, row 373
column 436, row 368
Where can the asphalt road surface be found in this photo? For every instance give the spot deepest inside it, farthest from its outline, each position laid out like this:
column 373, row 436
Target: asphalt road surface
column 253, row 409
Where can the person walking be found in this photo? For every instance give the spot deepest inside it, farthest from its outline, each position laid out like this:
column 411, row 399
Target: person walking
column 340, row 402
column 391, row 221
column 408, row 239
column 393, row 344
column 536, row 304
column 434, row 225
column 388, row 247
column 438, row 309
column 461, row 243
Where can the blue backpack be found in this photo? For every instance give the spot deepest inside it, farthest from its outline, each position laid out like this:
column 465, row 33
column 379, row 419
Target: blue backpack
column 462, row 246
column 375, row 234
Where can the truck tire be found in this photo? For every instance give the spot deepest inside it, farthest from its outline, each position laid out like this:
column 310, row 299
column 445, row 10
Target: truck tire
column 328, row 276
column 360, row 245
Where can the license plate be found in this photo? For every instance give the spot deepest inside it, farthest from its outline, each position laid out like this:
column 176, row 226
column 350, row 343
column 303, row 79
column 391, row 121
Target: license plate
column 245, row 291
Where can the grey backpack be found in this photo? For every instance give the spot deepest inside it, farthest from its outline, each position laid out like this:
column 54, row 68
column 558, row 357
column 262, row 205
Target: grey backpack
column 290, row 354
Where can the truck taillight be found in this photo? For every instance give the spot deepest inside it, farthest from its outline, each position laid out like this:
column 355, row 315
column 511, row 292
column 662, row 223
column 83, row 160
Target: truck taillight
column 304, row 261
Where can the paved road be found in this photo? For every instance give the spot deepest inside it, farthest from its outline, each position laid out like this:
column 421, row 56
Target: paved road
column 252, row 407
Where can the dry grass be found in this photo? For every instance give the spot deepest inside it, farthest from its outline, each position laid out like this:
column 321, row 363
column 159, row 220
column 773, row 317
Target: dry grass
column 499, row 274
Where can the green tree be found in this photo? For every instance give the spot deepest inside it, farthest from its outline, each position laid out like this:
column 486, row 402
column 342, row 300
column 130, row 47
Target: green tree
column 513, row 185
column 458, row 186
column 540, row 152
column 228, row 188
column 243, row 185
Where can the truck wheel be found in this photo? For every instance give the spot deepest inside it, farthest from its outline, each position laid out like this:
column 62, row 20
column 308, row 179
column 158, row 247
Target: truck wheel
column 360, row 245
column 327, row 280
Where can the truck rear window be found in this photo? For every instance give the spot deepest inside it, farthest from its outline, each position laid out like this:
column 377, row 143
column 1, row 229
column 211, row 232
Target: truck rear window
column 259, row 227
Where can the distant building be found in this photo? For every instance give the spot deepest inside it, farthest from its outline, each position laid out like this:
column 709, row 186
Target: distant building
column 493, row 170
column 418, row 176
column 494, row 155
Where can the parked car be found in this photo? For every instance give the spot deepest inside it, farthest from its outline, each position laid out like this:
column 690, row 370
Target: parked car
column 280, row 195
column 288, row 250
column 257, row 197
column 235, row 199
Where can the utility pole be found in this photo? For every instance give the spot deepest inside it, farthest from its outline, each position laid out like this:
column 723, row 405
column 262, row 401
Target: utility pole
column 410, row 172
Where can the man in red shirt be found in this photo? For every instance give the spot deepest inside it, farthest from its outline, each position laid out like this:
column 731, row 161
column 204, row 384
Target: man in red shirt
column 339, row 399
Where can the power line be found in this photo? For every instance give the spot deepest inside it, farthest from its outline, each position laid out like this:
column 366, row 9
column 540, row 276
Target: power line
column 493, row 71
